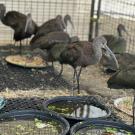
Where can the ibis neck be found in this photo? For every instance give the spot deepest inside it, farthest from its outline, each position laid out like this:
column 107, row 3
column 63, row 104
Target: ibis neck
column 97, row 53
column 120, row 33
column 2, row 17
column 36, row 28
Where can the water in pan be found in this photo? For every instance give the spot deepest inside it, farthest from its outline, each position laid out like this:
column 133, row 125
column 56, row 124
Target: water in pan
column 78, row 110
column 102, row 131
column 30, row 127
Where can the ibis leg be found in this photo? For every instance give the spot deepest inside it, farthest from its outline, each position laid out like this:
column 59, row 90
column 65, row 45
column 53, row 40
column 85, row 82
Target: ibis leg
column 73, row 83
column 10, row 48
column 27, row 42
column 52, row 64
column 20, row 46
column 78, row 80
column 61, row 70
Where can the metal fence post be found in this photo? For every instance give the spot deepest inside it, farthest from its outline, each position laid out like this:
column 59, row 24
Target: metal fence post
column 98, row 16
column 91, row 20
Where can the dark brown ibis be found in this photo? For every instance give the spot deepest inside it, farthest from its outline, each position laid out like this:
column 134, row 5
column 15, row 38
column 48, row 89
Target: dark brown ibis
column 55, row 24
column 54, row 43
column 117, row 43
column 52, row 38
column 22, row 25
column 124, row 78
column 83, row 53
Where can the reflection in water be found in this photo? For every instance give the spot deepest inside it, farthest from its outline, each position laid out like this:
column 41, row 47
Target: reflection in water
column 79, row 110
column 88, row 111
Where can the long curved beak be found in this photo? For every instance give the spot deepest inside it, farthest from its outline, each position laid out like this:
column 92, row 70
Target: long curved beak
column 126, row 31
column 28, row 22
column 72, row 24
column 63, row 24
column 111, row 59
column 68, row 19
column 2, row 10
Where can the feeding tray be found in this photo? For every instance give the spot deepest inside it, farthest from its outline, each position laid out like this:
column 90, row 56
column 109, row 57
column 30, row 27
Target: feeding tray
column 26, row 61
column 124, row 104
column 78, row 108
column 32, row 122
column 101, row 127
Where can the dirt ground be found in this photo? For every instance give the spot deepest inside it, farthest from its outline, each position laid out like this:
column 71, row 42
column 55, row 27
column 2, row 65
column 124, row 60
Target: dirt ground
column 17, row 82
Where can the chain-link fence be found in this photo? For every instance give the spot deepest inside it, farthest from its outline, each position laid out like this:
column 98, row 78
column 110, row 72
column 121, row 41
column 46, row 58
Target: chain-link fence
column 43, row 10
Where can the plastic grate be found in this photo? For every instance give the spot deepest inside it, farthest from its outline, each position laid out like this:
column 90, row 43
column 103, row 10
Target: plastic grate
column 23, row 103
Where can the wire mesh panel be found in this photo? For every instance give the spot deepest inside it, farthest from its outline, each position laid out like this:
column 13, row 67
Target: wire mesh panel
column 102, row 131
column 32, row 122
column 43, row 10
column 116, row 12
column 29, row 127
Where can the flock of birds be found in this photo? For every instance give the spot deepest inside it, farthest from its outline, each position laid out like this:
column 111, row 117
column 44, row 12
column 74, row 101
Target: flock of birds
column 53, row 43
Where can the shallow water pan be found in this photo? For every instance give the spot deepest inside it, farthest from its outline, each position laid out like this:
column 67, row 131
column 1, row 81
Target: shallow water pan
column 32, row 122
column 101, row 127
column 76, row 109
